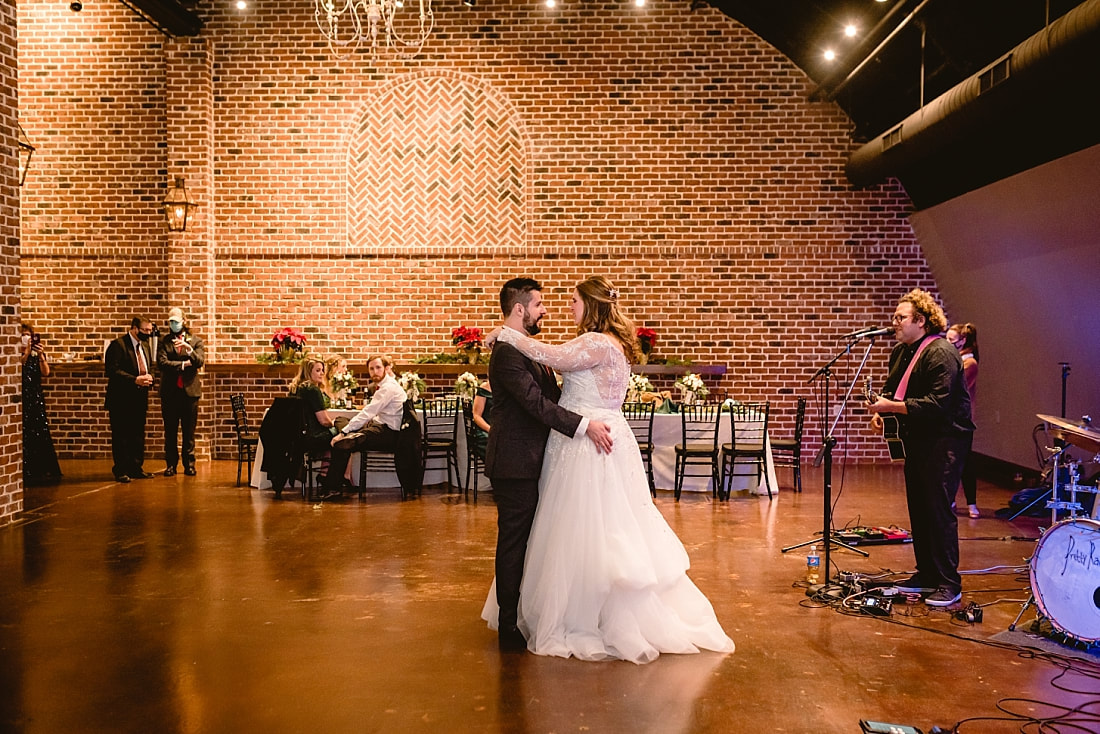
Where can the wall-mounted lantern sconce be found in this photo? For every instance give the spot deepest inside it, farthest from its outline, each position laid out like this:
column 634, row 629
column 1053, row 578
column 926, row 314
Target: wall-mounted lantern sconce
column 26, row 150
column 177, row 207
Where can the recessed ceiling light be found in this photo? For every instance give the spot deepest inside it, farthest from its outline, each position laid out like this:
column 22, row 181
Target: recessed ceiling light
column 830, row 54
column 850, row 30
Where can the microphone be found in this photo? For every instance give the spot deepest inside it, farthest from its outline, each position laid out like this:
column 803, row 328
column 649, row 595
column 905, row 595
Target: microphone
column 869, row 331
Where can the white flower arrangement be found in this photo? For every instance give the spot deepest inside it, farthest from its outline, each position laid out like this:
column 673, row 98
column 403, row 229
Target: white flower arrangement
column 413, row 384
column 638, row 384
column 466, row 385
column 344, row 381
column 691, row 386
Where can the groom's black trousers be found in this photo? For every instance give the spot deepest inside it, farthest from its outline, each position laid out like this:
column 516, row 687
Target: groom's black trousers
column 516, row 501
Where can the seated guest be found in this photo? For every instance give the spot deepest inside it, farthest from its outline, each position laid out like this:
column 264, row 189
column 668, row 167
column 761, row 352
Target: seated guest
column 482, row 409
column 375, row 428
column 309, row 385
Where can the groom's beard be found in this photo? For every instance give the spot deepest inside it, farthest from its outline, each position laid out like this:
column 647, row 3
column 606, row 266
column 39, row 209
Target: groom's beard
column 531, row 326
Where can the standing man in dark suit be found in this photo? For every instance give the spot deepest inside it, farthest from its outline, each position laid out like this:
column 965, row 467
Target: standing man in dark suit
column 129, row 377
column 180, row 355
column 525, row 409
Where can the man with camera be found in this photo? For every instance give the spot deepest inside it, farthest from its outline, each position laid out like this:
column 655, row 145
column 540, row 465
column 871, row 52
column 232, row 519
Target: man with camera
column 180, row 355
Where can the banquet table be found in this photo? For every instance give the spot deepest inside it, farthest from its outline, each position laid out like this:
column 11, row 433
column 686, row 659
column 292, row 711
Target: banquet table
column 435, row 473
column 667, row 433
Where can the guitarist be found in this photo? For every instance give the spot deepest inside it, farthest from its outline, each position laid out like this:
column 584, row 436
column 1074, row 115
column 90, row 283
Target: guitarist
column 932, row 405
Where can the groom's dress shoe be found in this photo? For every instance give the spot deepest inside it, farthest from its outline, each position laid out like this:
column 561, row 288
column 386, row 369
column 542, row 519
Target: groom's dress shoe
column 512, row 640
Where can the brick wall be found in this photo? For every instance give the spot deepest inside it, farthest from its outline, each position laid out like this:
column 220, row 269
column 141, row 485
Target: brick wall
column 671, row 150
column 11, row 427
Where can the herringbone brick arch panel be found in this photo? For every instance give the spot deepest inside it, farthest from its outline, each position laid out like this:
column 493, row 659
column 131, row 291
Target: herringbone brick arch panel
column 436, row 161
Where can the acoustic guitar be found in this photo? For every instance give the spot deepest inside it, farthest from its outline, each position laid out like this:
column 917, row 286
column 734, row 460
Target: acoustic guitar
column 891, row 427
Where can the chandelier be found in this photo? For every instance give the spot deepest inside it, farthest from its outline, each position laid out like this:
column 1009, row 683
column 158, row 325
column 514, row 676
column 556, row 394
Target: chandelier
column 346, row 24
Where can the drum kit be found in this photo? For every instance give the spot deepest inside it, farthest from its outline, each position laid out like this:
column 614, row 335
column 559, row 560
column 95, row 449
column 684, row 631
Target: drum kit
column 1065, row 568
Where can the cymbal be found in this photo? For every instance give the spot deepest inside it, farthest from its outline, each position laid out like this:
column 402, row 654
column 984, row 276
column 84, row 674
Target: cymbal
column 1071, row 433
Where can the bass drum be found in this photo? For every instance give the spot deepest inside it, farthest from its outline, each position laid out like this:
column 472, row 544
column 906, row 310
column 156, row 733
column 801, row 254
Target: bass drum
column 1065, row 578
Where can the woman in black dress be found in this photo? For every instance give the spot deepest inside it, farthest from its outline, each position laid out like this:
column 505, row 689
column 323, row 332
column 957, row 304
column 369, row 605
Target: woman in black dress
column 39, row 457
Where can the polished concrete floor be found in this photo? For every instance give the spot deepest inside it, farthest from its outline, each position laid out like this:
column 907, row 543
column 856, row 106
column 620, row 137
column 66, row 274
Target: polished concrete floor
column 187, row 604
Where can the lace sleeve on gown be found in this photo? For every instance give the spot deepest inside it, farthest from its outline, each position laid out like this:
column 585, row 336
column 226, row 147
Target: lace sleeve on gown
column 585, row 352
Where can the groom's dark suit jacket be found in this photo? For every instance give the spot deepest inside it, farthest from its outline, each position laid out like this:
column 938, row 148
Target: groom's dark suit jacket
column 525, row 409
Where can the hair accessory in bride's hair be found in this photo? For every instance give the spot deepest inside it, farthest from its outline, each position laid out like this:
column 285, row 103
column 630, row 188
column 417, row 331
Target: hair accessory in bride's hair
column 613, row 294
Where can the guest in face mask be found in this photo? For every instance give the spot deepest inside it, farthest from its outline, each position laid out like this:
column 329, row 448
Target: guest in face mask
column 180, row 355
column 128, row 364
column 39, row 458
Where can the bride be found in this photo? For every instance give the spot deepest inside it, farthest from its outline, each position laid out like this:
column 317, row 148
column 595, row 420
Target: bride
column 605, row 577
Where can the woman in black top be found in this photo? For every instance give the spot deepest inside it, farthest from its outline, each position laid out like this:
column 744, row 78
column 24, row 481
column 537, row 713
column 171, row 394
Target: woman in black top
column 311, row 386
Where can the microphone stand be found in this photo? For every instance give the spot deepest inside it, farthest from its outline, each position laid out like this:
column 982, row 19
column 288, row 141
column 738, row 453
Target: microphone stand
column 828, row 441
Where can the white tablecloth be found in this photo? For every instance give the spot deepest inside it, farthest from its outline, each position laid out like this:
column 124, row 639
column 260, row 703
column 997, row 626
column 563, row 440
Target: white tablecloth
column 434, row 473
column 667, row 433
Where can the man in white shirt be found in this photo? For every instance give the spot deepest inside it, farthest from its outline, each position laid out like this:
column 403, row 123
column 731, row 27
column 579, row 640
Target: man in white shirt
column 375, row 428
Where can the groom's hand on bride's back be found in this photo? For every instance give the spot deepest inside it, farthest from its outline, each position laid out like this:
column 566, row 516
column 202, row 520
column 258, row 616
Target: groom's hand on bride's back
column 600, row 433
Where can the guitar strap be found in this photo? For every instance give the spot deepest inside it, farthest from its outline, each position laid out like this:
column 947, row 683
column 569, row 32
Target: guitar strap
column 899, row 394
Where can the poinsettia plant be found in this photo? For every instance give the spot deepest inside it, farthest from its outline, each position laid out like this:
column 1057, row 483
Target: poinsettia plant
column 288, row 338
column 646, row 339
column 287, row 347
column 466, row 337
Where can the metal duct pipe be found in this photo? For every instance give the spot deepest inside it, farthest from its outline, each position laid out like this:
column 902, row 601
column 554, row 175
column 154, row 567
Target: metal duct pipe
column 1062, row 58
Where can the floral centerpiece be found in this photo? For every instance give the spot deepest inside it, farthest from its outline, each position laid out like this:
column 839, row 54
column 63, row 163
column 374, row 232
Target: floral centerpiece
column 646, row 339
column 691, row 388
column 342, row 384
column 638, row 385
column 412, row 384
column 288, row 347
column 469, row 341
column 466, row 385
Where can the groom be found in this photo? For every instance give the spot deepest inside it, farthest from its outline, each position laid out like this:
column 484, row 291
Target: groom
column 525, row 409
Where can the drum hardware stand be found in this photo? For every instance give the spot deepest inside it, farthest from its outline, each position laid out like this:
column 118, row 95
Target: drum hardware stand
column 1054, row 504
column 828, row 441
column 1065, row 376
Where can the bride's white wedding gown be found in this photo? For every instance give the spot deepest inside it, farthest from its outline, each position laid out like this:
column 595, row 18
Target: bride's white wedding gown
column 605, row 577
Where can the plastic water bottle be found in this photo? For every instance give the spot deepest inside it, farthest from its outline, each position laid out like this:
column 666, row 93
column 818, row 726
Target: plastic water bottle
column 813, row 566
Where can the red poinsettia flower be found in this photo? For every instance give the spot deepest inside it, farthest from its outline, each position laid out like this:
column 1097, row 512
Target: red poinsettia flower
column 288, row 338
column 648, row 337
column 465, row 337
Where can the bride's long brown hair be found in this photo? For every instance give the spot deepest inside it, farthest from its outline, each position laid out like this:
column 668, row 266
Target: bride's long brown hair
column 602, row 314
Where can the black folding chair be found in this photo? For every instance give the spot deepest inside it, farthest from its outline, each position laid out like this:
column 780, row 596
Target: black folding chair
column 699, row 443
column 639, row 416
column 475, row 461
column 247, row 438
column 748, row 444
column 788, row 451
column 440, row 421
